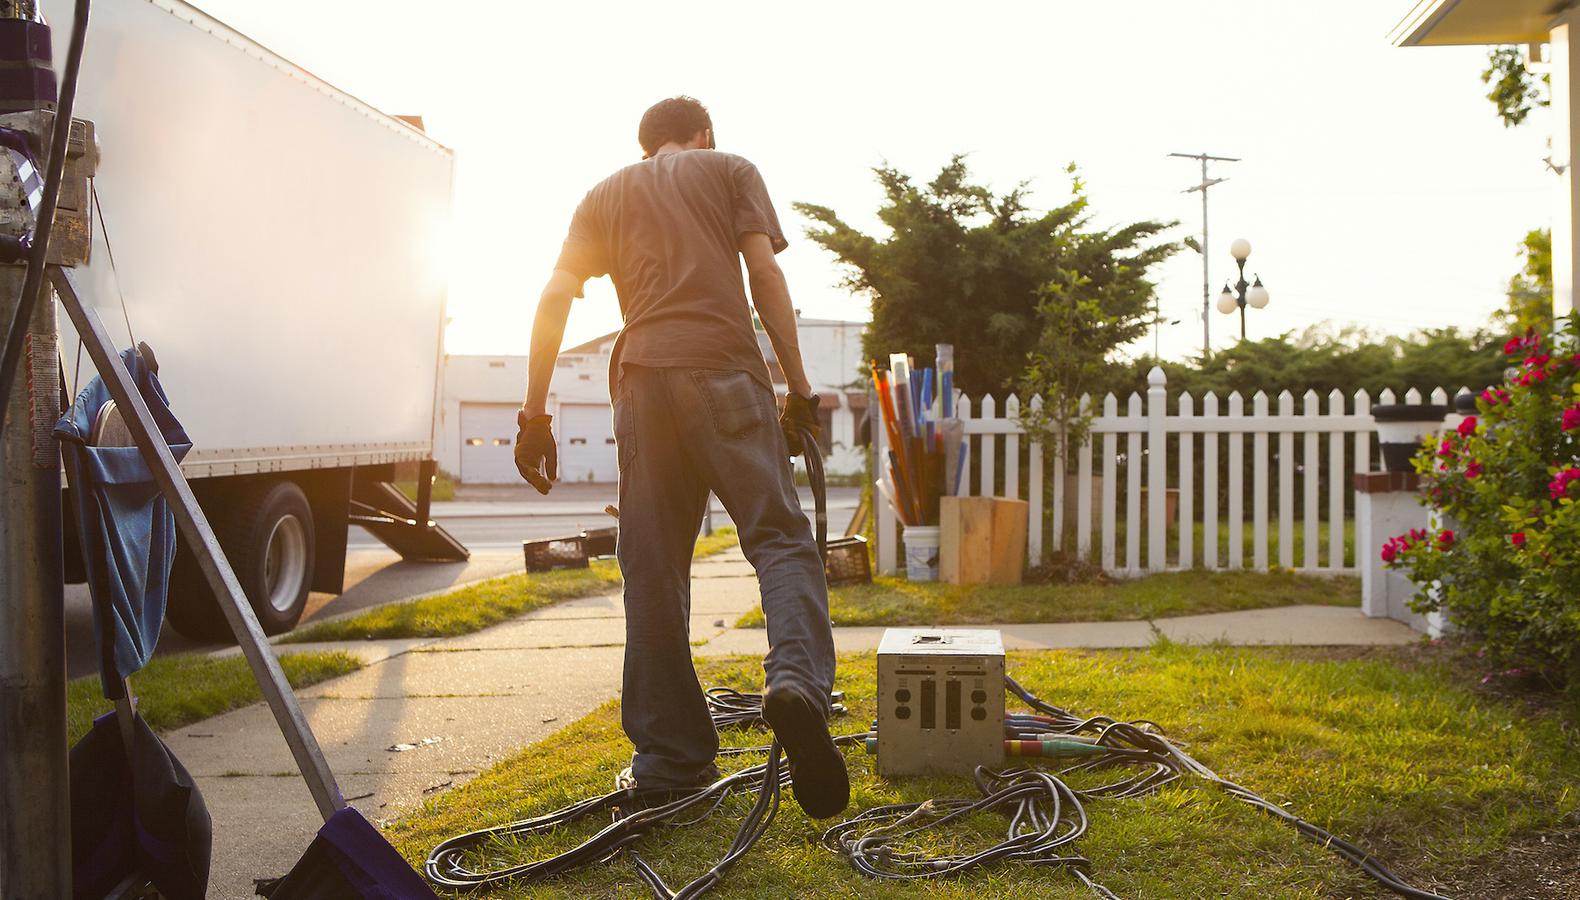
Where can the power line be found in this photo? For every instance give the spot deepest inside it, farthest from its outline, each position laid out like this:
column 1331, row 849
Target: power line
column 1206, row 280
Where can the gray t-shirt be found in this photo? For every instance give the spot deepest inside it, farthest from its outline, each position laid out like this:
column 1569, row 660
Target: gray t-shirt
column 668, row 231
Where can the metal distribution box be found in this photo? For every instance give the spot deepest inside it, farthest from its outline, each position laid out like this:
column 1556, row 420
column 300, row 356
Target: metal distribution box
column 940, row 700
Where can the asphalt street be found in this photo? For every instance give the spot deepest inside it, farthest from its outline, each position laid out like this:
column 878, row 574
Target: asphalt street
column 492, row 524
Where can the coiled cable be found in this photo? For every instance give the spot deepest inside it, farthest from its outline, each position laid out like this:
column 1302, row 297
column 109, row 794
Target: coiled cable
column 1046, row 816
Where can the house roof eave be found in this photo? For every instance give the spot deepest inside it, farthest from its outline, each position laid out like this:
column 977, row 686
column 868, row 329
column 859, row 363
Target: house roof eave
column 1476, row 22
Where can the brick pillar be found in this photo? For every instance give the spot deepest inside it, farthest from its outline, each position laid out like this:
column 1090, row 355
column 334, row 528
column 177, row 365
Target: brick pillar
column 1388, row 504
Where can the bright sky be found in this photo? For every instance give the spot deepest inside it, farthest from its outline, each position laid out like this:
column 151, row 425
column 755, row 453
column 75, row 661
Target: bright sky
column 1378, row 188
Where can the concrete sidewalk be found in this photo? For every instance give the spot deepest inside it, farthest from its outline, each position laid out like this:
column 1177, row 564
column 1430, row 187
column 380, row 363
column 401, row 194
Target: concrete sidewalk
column 422, row 717
column 1316, row 626
column 427, row 715
column 588, row 500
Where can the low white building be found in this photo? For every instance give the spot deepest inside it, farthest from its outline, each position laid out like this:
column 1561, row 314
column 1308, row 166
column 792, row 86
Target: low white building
column 476, row 426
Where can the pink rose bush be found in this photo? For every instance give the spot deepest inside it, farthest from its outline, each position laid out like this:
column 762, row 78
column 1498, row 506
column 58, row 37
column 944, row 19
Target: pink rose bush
column 1504, row 487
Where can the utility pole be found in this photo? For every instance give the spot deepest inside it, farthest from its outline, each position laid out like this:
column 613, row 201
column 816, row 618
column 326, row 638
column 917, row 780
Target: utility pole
column 35, row 834
column 1206, row 280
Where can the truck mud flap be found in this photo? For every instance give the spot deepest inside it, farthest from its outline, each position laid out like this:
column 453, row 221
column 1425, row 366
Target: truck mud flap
column 391, row 516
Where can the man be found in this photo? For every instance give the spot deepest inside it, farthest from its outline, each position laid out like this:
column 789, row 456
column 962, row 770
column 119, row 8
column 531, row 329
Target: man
column 694, row 411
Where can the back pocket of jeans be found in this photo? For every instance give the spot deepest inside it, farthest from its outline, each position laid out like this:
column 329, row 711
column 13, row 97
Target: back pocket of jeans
column 735, row 401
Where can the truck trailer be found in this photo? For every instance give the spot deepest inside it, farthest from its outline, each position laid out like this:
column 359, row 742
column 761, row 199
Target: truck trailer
column 278, row 244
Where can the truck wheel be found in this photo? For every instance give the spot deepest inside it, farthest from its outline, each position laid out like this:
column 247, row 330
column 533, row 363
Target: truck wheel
column 267, row 534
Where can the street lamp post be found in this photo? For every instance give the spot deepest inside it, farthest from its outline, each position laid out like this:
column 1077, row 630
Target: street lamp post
column 1251, row 294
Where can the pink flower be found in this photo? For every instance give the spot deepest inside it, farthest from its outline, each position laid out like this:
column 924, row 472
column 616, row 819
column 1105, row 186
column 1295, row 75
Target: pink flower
column 1537, row 361
column 1513, row 346
column 1559, row 486
column 1393, row 547
column 1571, row 419
column 1445, row 538
column 1467, row 426
column 1517, row 538
column 1446, row 448
column 1494, row 396
column 1474, row 469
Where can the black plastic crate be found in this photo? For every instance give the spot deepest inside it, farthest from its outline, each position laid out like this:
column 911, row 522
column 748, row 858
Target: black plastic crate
column 555, row 553
column 600, row 541
column 848, row 562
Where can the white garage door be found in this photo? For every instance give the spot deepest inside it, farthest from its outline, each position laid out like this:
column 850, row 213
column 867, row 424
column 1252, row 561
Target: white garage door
column 586, row 433
column 488, row 436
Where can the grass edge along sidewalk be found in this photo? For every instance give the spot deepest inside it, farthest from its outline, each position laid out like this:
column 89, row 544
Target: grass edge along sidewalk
column 183, row 688
column 1393, row 748
column 896, row 601
column 477, row 606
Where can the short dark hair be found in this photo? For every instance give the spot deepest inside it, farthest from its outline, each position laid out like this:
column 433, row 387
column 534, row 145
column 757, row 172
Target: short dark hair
column 676, row 119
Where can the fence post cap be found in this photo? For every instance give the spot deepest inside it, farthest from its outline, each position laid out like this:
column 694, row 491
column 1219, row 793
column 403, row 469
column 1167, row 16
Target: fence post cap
column 1156, row 378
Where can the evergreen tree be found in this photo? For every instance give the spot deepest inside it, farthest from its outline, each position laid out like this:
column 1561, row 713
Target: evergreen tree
column 988, row 274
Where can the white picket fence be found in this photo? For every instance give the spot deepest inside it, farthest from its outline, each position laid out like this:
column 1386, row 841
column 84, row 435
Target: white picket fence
column 1134, row 447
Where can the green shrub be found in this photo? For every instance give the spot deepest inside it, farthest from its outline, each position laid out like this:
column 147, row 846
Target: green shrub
column 1503, row 560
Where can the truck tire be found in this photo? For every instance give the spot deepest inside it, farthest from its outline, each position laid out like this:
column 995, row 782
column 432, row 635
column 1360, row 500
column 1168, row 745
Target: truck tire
column 266, row 532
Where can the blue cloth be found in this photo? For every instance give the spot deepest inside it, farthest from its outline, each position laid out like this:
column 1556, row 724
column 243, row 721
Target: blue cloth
column 127, row 529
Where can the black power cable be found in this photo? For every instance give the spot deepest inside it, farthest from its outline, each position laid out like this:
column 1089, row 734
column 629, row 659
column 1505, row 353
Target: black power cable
column 1147, row 736
column 732, row 708
column 635, row 813
column 1046, row 815
column 38, row 249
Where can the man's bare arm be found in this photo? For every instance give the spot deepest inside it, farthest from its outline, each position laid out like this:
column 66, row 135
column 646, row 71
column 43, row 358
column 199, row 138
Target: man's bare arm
column 548, row 330
column 771, row 296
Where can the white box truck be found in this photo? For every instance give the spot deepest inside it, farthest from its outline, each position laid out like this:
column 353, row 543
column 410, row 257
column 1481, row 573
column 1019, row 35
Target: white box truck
column 277, row 243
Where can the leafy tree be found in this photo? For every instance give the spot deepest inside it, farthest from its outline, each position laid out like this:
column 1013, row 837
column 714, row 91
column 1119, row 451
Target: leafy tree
column 986, row 273
column 1515, row 91
column 1322, row 360
column 1530, row 304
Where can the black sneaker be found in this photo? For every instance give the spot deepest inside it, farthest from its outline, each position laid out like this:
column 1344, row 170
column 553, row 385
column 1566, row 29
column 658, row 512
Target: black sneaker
column 817, row 768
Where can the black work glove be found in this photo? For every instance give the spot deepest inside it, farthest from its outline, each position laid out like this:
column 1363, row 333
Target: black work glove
column 799, row 412
column 537, row 456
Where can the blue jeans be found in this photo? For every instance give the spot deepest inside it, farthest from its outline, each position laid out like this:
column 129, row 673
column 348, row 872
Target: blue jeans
column 681, row 432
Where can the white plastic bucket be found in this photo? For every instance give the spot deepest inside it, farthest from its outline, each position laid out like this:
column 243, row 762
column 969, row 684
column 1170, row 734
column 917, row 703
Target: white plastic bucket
column 921, row 552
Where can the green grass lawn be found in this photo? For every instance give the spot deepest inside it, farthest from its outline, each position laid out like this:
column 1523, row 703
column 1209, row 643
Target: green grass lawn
column 895, row 601
column 1395, row 749
column 1247, row 541
column 468, row 609
column 183, row 688
column 477, row 606
column 719, row 541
